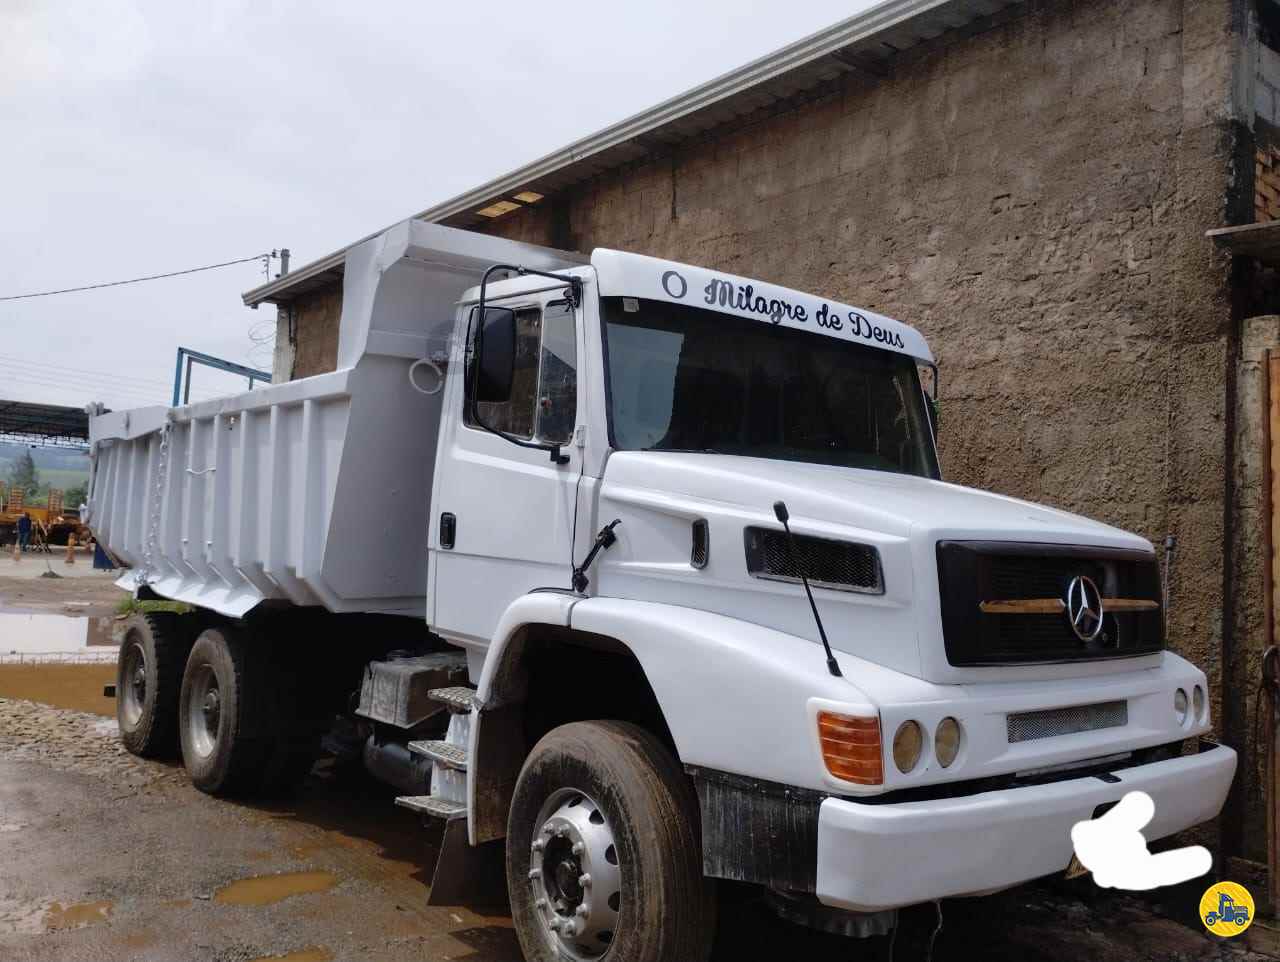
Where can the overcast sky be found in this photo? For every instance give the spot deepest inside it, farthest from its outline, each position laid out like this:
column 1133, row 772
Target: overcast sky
column 143, row 137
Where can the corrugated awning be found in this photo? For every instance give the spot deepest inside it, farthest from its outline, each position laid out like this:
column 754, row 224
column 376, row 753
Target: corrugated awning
column 1260, row 241
column 43, row 424
column 865, row 45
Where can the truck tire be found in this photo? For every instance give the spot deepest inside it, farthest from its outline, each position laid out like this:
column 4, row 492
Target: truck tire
column 149, row 680
column 604, row 850
column 240, row 731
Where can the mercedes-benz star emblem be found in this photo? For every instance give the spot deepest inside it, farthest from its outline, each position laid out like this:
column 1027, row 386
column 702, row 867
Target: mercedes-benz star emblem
column 1084, row 608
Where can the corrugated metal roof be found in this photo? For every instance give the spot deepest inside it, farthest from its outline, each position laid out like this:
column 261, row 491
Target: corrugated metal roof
column 865, row 44
column 48, row 424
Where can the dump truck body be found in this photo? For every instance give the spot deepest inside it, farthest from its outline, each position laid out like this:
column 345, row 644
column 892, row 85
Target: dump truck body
column 315, row 491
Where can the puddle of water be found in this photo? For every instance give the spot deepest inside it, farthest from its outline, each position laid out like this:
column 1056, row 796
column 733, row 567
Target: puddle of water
column 78, row 687
column 69, row 638
column 75, row 916
column 268, row 889
column 58, row 660
column 317, row 953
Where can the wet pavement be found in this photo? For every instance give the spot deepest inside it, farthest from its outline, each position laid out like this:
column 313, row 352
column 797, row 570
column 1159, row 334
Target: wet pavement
column 61, row 660
column 106, row 856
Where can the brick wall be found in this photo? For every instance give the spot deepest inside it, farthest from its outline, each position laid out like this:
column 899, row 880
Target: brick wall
column 1035, row 199
column 1266, row 184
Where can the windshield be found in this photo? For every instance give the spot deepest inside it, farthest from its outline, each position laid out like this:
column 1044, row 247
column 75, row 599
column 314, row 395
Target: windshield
column 686, row 379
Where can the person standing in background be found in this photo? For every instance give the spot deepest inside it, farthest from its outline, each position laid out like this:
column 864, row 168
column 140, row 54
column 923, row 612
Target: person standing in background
column 24, row 531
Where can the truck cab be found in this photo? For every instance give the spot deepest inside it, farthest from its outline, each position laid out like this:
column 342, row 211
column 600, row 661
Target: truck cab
column 718, row 614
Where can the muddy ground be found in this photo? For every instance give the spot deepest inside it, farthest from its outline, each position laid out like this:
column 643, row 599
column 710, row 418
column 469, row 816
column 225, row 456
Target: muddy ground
column 107, row 857
column 78, row 589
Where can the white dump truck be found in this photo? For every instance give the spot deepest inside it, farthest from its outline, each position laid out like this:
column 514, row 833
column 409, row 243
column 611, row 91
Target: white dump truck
column 645, row 574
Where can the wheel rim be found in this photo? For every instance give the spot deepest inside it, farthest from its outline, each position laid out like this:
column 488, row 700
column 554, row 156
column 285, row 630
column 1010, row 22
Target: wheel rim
column 574, row 873
column 204, row 711
column 133, row 678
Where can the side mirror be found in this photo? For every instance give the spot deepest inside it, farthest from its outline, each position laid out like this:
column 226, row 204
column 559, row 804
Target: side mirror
column 494, row 358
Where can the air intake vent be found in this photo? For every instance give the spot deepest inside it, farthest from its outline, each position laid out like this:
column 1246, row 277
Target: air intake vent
column 701, row 549
column 1029, row 725
column 841, row 565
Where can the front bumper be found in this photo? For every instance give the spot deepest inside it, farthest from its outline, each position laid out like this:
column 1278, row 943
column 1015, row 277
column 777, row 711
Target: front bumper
column 873, row 857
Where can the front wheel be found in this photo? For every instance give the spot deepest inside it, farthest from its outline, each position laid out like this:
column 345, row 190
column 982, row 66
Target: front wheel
column 604, row 852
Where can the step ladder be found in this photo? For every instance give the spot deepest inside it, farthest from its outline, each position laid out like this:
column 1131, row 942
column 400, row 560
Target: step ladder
column 448, row 798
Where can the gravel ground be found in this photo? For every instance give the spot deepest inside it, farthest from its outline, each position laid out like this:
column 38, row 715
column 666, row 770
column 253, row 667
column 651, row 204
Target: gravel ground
column 111, row 857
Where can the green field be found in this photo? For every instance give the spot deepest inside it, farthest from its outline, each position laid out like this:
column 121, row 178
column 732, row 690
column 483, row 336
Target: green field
column 63, row 478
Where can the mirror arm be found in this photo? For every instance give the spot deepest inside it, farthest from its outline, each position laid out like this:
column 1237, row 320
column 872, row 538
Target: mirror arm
column 574, row 296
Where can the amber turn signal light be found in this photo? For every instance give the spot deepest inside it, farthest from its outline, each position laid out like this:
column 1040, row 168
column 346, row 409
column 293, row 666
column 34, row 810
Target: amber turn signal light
column 851, row 747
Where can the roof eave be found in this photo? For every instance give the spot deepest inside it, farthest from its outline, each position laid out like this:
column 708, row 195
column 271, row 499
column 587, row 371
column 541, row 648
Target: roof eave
column 890, row 19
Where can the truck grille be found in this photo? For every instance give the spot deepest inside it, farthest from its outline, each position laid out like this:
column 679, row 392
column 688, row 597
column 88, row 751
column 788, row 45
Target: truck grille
column 1029, row 725
column 842, row 565
column 972, row 573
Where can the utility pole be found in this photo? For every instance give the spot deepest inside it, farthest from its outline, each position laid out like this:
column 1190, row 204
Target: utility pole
column 284, row 261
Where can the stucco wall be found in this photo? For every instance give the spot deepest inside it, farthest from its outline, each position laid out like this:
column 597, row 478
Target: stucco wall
column 307, row 334
column 1035, row 199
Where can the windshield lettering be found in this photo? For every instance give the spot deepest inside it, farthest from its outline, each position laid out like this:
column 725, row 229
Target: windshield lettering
column 683, row 378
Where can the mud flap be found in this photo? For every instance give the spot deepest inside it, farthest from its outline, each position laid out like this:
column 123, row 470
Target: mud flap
column 467, row 875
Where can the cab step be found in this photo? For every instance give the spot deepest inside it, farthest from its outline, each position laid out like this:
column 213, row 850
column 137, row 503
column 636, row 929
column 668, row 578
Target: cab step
column 445, row 753
column 433, row 805
column 457, row 698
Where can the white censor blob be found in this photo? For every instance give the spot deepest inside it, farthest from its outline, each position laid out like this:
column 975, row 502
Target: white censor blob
column 1113, row 848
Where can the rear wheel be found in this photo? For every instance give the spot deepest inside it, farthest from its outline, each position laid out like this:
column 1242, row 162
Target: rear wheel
column 604, row 856
column 148, row 682
column 242, row 731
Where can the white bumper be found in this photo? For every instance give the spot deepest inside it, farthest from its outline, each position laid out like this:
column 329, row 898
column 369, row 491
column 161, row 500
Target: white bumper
column 884, row 856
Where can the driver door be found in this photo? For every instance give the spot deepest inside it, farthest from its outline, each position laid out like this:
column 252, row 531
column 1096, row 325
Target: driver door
column 503, row 515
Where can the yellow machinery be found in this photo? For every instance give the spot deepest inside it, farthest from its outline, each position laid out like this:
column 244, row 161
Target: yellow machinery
column 51, row 523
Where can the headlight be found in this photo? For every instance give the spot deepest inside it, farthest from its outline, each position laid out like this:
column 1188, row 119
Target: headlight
column 1197, row 702
column 946, row 741
column 1180, row 706
column 907, row 743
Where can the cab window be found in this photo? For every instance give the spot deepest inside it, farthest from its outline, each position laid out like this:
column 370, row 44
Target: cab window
column 544, row 388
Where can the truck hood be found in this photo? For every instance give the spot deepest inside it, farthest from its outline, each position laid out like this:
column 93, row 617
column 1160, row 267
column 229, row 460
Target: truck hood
column 657, row 495
column 894, row 504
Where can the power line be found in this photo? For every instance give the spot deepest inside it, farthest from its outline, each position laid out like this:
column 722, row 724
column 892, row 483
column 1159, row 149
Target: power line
column 95, row 383
column 24, row 364
column 83, row 388
column 72, row 377
column 137, row 280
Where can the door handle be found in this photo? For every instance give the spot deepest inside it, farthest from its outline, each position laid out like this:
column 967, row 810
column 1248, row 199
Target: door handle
column 448, row 529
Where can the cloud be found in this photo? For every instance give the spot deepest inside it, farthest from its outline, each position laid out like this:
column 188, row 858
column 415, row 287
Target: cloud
column 144, row 136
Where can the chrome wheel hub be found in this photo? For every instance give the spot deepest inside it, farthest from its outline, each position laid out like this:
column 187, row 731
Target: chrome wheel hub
column 133, row 697
column 204, row 711
column 577, row 885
